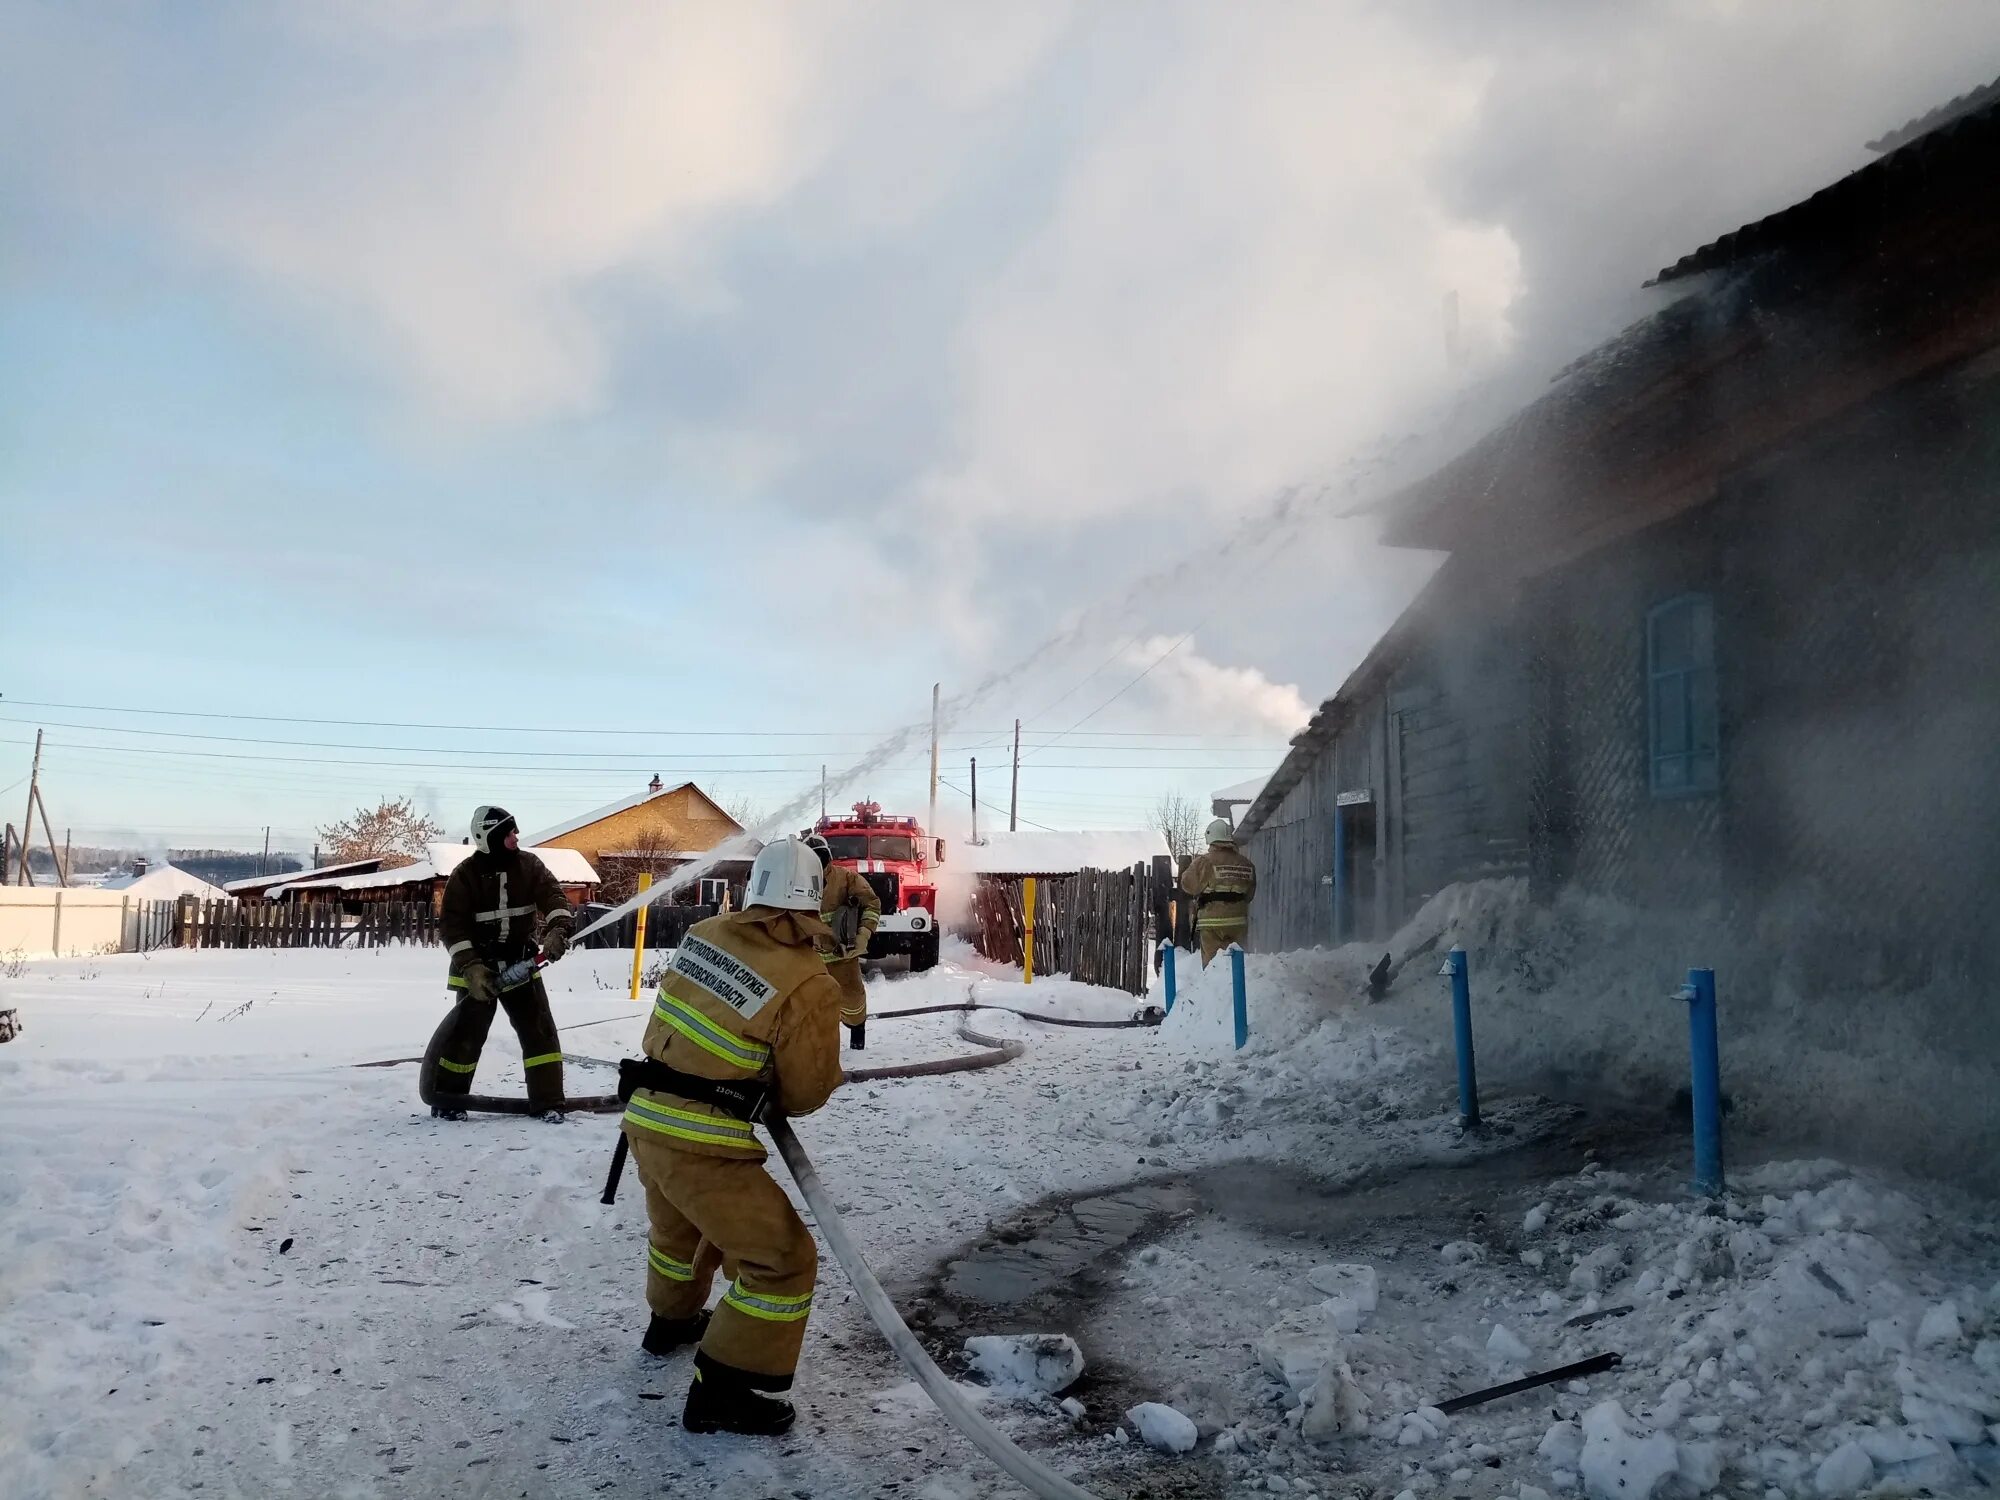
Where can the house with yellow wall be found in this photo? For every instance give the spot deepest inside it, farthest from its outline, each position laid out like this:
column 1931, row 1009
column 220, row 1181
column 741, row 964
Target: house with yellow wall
column 655, row 831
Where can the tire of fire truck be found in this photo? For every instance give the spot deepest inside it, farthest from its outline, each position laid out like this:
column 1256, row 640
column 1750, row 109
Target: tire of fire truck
column 924, row 952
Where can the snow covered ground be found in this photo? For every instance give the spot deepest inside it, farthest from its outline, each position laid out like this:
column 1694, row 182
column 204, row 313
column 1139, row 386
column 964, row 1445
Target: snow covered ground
column 233, row 1263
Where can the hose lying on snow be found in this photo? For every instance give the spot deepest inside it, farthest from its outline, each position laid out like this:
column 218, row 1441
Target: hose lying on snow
column 1145, row 1018
column 998, row 1051
column 1030, row 1471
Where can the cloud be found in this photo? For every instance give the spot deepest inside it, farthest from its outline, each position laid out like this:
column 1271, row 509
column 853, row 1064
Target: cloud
column 1015, row 302
column 1243, row 277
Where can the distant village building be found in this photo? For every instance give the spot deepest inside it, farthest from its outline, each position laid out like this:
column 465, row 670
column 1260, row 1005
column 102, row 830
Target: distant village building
column 424, row 881
column 656, row 831
column 257, row 888
column 1231, row 801
column 1035, row 852
column 144, row 880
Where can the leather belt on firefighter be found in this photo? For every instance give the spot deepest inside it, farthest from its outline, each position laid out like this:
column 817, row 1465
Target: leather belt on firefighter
column 748, row 1101
column 1207, row 896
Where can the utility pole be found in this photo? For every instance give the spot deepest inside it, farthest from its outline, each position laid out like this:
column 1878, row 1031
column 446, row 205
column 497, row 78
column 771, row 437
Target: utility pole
column 65, row 863
column 7, row 855
column 975, row 800
column 28, row 817
column 934, row 759
column 264, row 859
column 822, row 793
column 62, row 867
column 1014, row 796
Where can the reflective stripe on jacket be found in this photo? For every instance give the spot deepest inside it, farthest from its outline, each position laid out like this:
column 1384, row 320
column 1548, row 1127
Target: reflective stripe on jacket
column 495, row 907
column 746, row 995
column 1223, row 883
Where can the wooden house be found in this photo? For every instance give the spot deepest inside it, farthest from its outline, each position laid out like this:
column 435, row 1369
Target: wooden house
column 423, row 882
column 655, row 831
column 1718, row 628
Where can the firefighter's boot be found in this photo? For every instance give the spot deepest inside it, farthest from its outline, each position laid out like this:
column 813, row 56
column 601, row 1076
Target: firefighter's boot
column 857, row 1037
column 665, row 1335
column 720, row 1401
column 446, row 1112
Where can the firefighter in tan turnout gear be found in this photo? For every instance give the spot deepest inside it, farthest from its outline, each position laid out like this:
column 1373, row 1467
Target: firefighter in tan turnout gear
column 1223, row 882
column 499, row 906
column 747, row 1021
column 851, row 909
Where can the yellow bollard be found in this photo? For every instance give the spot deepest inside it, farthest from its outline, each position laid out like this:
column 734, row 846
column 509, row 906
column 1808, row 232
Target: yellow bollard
column 639, row 937
column 1028, row 943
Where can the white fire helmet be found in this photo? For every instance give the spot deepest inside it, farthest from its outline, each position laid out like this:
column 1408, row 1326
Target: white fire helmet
column 490, row 827
column 786, row 875
column 1220, row 832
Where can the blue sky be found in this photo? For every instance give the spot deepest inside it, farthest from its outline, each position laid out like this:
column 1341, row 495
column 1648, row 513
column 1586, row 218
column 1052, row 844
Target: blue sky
column 724, row 376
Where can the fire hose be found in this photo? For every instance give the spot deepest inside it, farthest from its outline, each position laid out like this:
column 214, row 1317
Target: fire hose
column 1024, row 1468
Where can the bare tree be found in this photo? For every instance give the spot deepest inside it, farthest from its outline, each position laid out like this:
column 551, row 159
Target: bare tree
column 655, row 852
column 394, row 831
column 744, row 808
column 1179, row 820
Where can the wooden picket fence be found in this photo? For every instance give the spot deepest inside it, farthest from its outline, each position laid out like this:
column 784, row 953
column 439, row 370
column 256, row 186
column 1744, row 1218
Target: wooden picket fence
column 318, row 924
column 1097, row 926
column 150, row 925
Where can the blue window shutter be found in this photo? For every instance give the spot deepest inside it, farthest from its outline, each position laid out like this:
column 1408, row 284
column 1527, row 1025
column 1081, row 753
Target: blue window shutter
column 1682, row 719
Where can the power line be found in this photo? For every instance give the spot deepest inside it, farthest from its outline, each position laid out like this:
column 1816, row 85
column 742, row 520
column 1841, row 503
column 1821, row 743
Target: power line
column 1000, row 810
column 639, row 761
column 391, row 765
column 747, row 734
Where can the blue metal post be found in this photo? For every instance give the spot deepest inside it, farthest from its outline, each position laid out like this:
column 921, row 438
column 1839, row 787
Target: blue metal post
column 1461, row 1026
column 1167, row 970
column 1236, row 994
column 1705, row 1057
column 1339, row 876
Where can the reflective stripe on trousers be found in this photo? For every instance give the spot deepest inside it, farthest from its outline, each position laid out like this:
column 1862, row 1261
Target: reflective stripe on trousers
column 767, row 1305
column 667, row 1266
column 690, row 1125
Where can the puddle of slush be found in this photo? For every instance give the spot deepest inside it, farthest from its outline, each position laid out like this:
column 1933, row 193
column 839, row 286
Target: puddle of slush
column 1080, row 1234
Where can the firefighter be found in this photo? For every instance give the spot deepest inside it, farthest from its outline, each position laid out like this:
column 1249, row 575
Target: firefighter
column 499, row 906
column 1223, row 882
column 850, row 907
column 746, row 1021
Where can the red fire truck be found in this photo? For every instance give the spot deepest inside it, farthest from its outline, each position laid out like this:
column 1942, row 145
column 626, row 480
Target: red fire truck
column 895, row 857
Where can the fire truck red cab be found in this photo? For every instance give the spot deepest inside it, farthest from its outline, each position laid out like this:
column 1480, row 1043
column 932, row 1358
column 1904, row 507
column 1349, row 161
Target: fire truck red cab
column 893, row 855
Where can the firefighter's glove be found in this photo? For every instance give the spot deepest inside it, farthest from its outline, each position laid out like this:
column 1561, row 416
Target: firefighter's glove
column 480, row 984
column 555, row 940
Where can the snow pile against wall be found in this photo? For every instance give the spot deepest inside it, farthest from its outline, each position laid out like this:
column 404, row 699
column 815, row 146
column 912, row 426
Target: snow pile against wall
column 1572, row 997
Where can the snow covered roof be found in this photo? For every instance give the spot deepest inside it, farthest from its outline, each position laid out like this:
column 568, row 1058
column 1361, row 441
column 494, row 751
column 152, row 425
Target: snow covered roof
column 164, row 883
column 1054, row 853
column 1243, row 791
column 292, row 877
column 609, row 810
column 568, row 867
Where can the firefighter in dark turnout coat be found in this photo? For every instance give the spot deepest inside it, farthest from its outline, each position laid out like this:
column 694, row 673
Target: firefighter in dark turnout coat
column 499, row 906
